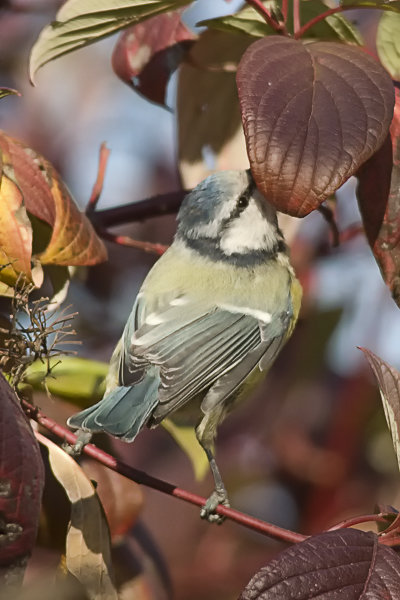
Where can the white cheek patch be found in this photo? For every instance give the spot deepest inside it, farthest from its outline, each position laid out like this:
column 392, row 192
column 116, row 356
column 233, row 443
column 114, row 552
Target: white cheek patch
column 153, row 319
column 250, row 231
column 179, row 301
column 260, row 315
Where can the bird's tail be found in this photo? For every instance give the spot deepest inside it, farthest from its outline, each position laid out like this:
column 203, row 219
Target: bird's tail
column 123, row 412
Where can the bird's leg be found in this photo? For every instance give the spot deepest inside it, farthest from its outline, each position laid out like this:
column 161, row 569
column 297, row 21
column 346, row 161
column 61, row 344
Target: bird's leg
column 205, row 433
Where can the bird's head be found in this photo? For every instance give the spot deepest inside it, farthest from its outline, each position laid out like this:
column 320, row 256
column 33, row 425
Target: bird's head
column 226, row 217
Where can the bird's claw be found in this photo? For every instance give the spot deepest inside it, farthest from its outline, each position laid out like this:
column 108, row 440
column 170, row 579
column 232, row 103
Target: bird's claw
column 208, row 511
column 83, row 438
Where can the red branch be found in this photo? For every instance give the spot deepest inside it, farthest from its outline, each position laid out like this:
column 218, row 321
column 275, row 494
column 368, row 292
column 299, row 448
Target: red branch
column 260, row 8
column 143, row 478
column 379, row 517
column 332, row 11
column 284, row 9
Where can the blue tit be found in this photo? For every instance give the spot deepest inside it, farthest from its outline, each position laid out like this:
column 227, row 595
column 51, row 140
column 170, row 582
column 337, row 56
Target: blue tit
column 208, row 322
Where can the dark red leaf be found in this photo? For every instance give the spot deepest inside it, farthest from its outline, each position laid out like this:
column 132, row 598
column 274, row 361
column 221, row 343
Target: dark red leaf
column 373, row 190
column 147, row 54
column 312, row 114
column 21, row 481
column 379, row 199
column 345, row 564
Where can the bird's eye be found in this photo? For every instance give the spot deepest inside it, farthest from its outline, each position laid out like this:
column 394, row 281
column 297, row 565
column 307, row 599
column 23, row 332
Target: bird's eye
column 243, row 202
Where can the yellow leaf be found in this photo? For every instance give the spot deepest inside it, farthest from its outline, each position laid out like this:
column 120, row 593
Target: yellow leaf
column 185, row 437
column 15, row 234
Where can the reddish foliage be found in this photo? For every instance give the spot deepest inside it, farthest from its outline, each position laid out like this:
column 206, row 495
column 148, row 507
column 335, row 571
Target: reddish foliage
column 73, row 239
column 312, row 115
column 147, row 54
column 22, row 480
column 341, row 564
column 379, row 199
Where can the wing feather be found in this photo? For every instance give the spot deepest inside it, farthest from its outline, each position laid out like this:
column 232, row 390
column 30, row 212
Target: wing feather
column 198, row 348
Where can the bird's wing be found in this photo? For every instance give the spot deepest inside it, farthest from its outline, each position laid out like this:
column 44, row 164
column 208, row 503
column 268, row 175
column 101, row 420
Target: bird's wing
column 195, row 344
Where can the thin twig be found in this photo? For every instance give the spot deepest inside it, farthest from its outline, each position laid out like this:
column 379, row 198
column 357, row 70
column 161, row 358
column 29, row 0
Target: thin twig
column 98, row 185
column 143, row 478
column 124, row 240
column 379, row 517
column 332, row 11
column 264, row 12
column 296, row 16
column 329, row 217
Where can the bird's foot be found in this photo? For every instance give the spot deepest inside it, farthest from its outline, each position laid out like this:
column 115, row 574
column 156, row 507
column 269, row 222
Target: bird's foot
column 83, row 438
column 208, row 511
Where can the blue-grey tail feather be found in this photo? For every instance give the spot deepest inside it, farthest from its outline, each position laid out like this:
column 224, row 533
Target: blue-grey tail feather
column 123, row 412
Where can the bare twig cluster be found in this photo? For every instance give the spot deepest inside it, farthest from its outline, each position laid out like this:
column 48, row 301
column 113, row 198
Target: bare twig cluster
column 34, row 332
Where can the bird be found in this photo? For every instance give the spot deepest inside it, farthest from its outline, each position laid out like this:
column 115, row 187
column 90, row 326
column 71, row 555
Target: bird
column 208, row 322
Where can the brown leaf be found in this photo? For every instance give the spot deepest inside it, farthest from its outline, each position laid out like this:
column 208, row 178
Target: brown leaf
column 88, row 555
column 15, row 234
column 121, row 498
column 388, row 379
column 210, row 133
column 21, row 483
column 148, row 53
column 312, row 114
column 73, row 240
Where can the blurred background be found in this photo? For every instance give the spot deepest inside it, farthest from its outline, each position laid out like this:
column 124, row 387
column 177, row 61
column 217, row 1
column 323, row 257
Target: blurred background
column 311, row 448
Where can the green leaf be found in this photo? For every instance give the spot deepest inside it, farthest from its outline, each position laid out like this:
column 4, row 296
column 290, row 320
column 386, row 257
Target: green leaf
column 333, row 27
column 8, row 92
column 388, row 43
column 249, row 21
column 245, row 21
column 78, row 380
column 344, row 30
column 391, row 5
column 82, row 22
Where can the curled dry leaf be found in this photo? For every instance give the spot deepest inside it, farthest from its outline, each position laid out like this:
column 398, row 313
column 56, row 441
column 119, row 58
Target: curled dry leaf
column 345, row 563
column 147, row 54
column 31, row 185
column 15, row 234
column 312, row 114
column 388, row 379
column 88, row 554
column 21, row 486
column 121, row 498
column 210, row 134
column 379, row 199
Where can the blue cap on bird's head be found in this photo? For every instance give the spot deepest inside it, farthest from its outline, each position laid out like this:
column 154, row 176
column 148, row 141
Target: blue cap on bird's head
column 204, row 203
column 226, row 218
